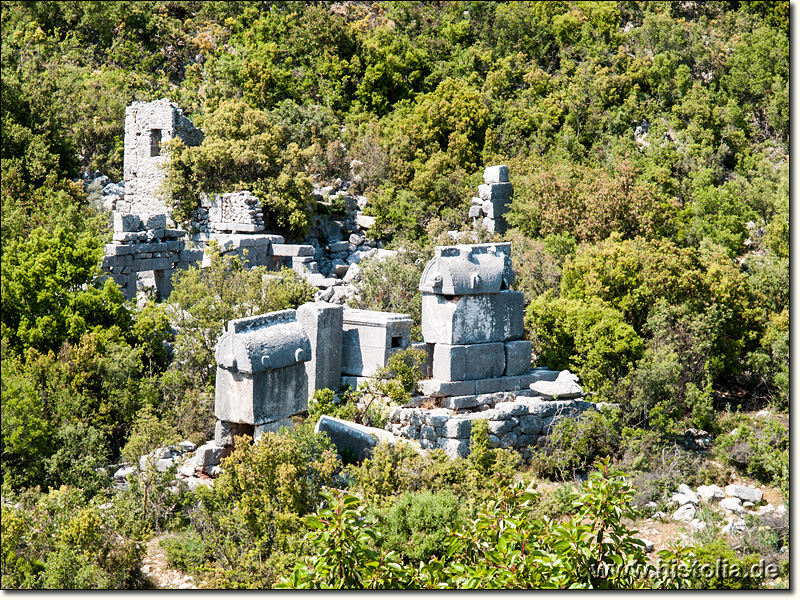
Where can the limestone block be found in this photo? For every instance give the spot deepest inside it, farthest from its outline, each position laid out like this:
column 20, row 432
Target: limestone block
column 495, row 174
column 363, row 221
column 472, row 319
column 338, row 246
column 260, row 397
column 733, row 505
column 153, row 264
column 455, row 447
column 153, row 221
column 225, row 432
column 437, row 417
column 498, row 384
column 369, row 338
column 457, row 402
column 427, row 432
column 439, row 388
column 209, row 454
column 518, row 357
column 475, row 211
column 709, row 493
column 354, row 442
column 263, row 342
column 523, row 441
column 495, row 191
column 323, row 325
column 427, row 366
column 501, row 427
column 509, row 440
column 510, row 409
column 118, row 249
column 290, row 250
column 476, row 361
column 271, row 427
column 458, row 427
column 126, row 222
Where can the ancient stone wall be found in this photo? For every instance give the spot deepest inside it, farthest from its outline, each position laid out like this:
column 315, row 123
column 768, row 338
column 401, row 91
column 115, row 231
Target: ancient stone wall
column 148, row 126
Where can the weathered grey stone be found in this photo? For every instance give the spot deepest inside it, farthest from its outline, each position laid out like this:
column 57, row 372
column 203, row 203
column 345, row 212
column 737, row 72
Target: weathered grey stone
column 260, row 374
column 323, row 325
column 502, row 427
column 209, row 454
column 733, row 505
column 436, row 417
column 497, row 384
column 458, row 402
column 338, row 246
column 369, row 338
column 271, row 427
column 289, row 250
column 744, row 493
column 685, row 513
column 472, row 319
column 681, row 499
column 531, row 424
column 363, row 221
column 126, row 222
column 225, row 432
column 518, row 357
column 439, row 388
column 525, row 440
column 510, row 409
column 455, row 447
column 475, row 211
column 565, row 386
column 710, row 493
column 457, row 427
column 468, row 269
column 495, row 191
column 508, row 440
column 352, row 441
column 687, row 491
column 495, row 174
column 459, row 363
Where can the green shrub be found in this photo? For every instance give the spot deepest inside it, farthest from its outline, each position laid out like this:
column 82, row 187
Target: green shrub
column 418, row 523
column 588, row 337
column 575, row 444
column 186, row 551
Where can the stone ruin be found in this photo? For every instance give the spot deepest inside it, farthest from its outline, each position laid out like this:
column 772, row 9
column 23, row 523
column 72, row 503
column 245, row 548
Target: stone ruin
column 490, row 206
column 148, row 126
column 270, row 365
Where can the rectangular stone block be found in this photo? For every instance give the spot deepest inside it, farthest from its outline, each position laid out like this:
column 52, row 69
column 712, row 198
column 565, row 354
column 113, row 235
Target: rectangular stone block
column 364, row 360
column 475, row 361
column 458, row 428
column 323, row 325
column 153, row 264
column 457, row 402
column 495, row 174
column 123, row 222
column 495, row 191
column 472, row 319
column 455, row 447
column 518, row 357
column 498, row 384
column 437, row 387
column 191, row 255
column 118, row 249
column 154, row 221
column 292, row 250
column 427, row 366
column 376, row 329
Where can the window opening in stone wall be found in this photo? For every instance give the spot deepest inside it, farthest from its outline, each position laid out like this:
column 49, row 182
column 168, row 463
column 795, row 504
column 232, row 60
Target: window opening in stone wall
column 397, row 340
column 155, row 142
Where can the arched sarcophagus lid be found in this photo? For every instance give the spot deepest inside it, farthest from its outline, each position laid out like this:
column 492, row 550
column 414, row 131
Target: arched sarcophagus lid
column 263, row 343
column 468, row 269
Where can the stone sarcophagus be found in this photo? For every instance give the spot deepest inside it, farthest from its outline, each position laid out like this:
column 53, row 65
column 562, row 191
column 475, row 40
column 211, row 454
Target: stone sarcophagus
column 370, row 337
column 261, row 372
column 474, row 321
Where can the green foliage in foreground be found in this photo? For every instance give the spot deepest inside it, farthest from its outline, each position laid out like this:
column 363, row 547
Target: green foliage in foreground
column 503, row 548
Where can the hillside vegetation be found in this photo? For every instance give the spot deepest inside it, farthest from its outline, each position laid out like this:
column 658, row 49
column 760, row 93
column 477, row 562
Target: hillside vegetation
column 648, row 146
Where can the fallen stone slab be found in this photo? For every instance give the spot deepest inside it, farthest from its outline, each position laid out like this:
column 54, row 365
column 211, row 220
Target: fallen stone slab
column 564, row 387
column 733, row 505
column 353, row 441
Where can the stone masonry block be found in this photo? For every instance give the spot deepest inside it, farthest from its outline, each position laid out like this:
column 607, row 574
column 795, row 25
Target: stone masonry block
column 472, row 319
column 518, row 357
column 495, row 191
column 123, row 222
column 323, row 325
column 476, row 361
column 458, row 428
column 495, row 174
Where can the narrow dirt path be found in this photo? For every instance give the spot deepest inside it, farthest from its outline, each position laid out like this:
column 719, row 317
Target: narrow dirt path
column 156, row 568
